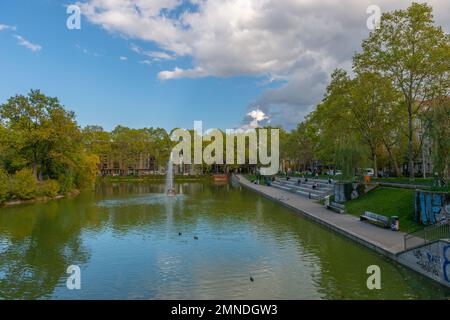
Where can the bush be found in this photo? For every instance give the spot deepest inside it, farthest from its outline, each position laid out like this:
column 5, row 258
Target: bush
column 24, row 185
column 88, row 171
column 66, row 181
column 49, row 188
column 3, row 185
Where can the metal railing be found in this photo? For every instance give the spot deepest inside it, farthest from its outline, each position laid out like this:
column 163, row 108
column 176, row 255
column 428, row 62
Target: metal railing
column 427, row 235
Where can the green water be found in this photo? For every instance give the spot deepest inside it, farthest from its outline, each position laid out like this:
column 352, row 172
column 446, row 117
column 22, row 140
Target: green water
column 125, row 238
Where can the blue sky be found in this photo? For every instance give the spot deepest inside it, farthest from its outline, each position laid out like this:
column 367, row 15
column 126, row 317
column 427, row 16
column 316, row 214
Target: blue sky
column 183, row 60
column 83, row 69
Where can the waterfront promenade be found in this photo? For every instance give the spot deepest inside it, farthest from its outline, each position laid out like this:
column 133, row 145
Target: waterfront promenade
column 384, row 241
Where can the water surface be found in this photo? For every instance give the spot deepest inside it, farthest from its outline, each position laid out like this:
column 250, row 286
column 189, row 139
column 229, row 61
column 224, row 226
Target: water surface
column 125, row 238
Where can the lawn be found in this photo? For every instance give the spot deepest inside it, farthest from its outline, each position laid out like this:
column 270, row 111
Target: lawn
column 388, row 202
column 405, row 180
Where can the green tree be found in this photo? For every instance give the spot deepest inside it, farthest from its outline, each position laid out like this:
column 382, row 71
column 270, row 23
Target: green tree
column 411, row 50
column 330, row 119
column 39, row 126
column 372, row 107
column 96, row 140
column 440, row 135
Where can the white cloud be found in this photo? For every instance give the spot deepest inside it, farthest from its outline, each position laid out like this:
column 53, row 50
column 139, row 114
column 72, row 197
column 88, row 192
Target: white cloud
column 182, row 73
column 148, row 62
column 299, row 41
column 27, row 44
column 153, row 55
column 158, row 55
column 122, row 58
column 257, row 116
column 7, row 27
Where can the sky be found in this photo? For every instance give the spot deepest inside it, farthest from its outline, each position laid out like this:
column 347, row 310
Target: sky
column 167, row 63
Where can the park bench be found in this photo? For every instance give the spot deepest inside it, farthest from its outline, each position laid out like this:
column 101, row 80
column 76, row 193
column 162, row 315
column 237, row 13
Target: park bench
column 336, row 207
column 375, row 218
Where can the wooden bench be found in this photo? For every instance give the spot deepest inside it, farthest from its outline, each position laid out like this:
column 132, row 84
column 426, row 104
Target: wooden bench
column 376, row 219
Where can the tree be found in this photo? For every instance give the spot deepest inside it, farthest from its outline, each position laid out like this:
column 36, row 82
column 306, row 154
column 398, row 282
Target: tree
column 38, row 135
column 330, row 119
column 373, row 104
column 411, row 50
column 96, row 140
column 39, row 125
column 440, row 135
column 298, row 146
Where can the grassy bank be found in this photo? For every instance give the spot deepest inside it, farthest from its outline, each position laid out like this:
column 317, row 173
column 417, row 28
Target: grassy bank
column 406, row 180
column 388, row 202
column 250, row 177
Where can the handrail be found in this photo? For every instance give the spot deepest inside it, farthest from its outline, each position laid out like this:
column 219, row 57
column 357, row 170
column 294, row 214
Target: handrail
column 427, row 235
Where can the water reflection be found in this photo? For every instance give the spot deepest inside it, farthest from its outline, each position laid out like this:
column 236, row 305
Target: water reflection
column 126, row 239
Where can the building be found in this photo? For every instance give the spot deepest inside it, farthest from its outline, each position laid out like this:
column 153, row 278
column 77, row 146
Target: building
column 143, row 165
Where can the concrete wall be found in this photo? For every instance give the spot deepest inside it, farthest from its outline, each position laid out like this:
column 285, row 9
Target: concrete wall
column 431, row 260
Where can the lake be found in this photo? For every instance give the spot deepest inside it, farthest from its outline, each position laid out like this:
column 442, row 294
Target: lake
column 125, row 237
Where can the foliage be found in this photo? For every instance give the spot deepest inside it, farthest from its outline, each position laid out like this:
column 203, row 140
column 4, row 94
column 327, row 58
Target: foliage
column 409, row 49
column 88, row 171
column 49, row 188
column 349, row 157
column 4, row 188
column 37, row 133
column 383, row 115
column 440, row 133
column 23, row 185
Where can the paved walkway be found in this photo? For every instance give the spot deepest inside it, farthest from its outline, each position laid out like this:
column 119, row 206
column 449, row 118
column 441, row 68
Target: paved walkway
column 384, row 241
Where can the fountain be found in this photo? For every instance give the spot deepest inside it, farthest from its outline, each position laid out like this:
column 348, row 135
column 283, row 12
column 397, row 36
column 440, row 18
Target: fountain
column 169, row 178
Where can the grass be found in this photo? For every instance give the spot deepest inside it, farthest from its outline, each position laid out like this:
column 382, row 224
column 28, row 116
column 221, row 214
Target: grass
column 388, row 202
column 252, row 177
column 405, row 180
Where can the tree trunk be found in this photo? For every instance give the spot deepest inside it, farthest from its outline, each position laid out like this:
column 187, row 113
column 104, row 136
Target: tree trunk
column 393, row 160
column 35, row 171
column 424, row 171
column 375, row 165
column 410, row 142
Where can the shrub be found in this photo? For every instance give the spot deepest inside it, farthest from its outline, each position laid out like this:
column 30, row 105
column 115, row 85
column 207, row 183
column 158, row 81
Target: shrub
column 3, row 185
column 66, row 181
column 24, row 184
column 361, row 189
column 49, row 188
column 88, row 171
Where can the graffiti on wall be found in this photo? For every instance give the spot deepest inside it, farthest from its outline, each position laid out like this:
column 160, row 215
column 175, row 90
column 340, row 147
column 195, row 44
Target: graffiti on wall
column 446, row 266
column 431, row 260
column 431, row 207
column 428, row 262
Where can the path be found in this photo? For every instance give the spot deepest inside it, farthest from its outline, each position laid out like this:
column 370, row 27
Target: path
column 384, row 241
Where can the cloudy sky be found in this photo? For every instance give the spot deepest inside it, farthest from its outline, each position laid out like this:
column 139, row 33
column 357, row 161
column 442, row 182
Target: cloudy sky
column 166, row 63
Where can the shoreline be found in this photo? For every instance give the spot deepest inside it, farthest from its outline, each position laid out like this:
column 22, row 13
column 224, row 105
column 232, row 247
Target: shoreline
column 45, row 199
